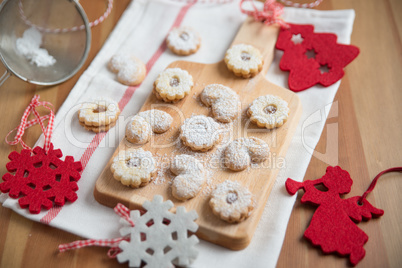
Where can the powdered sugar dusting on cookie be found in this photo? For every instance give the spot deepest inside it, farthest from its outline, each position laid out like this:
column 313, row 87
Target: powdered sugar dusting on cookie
column 200, row 132
column 183, row 40
column 138, row 130
column 224, row 101
column 176, row 91
column 117, row 62
column 232, row 202
column 100, row 111
column 212, row 161
column 244, row 60
column 129, row 72
column 269, row 111
column 190, row 176
column 160, row 121
column 243, row 151
column 133, row 167
column 129, row 69
column 243, row 57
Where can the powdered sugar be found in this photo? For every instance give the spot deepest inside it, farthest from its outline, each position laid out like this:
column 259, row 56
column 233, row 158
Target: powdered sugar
column 160, row 121
column 183, row 40
column 133, row 167
column 243, row 57
column 190, row 176
column 178, row 90
column 269, row 111
column 232, row 202
column 29, row 47
column 211, row 161
column 99, row 112
column 138, row 130
column 224, row 101
column 200, row 132
column 130, row 70
column 242, row 151
column 129, row 73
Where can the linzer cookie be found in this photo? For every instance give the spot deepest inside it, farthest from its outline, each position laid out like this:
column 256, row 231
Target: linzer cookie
column 200, row 133
column 241, row 152
column 190, row 176
column 232, row 202
column 268, row 111
column 133, row 167
column 173, row 84
column 225, row 103
column 99, row 114
column 244, row 60
column 183, row 41
column 141, row 126
column 130, row 70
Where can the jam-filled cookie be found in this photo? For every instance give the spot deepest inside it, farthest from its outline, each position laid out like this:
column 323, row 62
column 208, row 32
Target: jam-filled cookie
column 244, row 60
column 173, row 84
column 232, row 202
column 99, row 114
column 183, row 41
column 133, row 167
column 268, row 111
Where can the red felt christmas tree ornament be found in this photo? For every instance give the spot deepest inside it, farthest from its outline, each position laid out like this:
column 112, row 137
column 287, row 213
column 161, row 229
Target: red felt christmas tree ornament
column 312, row 58
column 333, row 226
column 39, row 177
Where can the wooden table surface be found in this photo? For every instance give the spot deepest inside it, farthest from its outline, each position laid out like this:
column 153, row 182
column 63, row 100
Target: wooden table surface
column 363, row 135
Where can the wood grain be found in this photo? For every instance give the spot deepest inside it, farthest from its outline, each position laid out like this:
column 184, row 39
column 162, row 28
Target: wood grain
column 369, row 130
column 165, row 147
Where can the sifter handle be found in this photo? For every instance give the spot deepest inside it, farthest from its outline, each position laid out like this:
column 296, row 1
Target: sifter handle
column 4, row 77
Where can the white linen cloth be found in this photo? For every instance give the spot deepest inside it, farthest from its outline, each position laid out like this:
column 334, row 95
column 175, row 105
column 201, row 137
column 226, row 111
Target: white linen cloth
column 141, row 30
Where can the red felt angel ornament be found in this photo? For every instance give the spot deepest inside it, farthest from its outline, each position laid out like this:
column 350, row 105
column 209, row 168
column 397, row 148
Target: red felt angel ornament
column 333, row 226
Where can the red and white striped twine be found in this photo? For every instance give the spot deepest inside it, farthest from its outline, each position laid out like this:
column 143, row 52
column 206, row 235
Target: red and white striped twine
column 308, row 5
column 204, row 1
column 65, row 30
column 124, row 213
column 270, row 13
column 91, row 242
column 38, row 120
column 272, row 10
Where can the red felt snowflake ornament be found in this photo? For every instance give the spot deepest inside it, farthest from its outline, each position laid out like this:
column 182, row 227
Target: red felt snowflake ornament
column 39, row 177
column 312, row 58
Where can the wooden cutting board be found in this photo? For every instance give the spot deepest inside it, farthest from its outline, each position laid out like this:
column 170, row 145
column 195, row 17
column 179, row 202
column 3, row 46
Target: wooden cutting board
column 258, row 178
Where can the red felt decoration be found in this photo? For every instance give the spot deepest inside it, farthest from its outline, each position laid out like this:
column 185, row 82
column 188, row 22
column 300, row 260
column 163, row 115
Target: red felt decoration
column 333, row 225
column 41, row 178
column 312, row 58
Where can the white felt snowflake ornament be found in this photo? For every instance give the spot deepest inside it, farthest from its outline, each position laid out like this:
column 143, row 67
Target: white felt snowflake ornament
column 159, row 238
